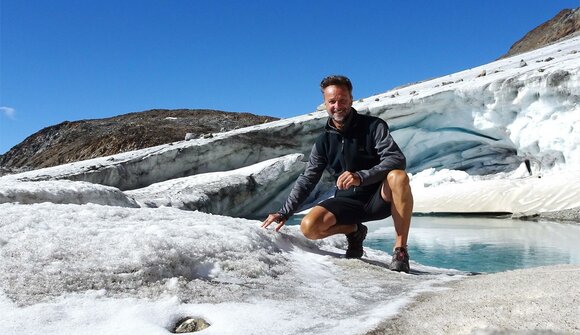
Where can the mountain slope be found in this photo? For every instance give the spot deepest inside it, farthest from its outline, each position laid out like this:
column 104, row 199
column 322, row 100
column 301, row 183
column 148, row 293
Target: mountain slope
column 79, row 140
column 565, row 24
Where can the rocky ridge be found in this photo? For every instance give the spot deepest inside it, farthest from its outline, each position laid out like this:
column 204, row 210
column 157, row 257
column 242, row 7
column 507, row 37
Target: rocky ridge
column 565, row 24
column 80, row 140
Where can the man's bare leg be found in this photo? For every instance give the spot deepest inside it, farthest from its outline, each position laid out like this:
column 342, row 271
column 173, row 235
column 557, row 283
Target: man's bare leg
column 320, row 223
column 397, row 191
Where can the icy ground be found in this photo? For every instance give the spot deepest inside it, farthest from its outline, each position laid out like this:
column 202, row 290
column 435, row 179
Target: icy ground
column 115, row 270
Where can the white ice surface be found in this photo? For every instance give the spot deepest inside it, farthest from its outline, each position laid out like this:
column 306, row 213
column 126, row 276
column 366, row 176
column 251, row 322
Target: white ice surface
column 115, row 270
column 62, row 192
column 448, row 191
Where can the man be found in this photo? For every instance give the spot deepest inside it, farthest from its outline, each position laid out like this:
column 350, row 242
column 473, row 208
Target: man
column 369, row 169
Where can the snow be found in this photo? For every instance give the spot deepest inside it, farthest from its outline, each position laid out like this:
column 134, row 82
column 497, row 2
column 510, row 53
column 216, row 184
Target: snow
column 448, row 191
column 105, row 246
column 62, row 192
column 109, row 270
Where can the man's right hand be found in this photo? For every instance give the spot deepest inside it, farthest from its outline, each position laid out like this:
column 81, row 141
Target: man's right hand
column 274, row 217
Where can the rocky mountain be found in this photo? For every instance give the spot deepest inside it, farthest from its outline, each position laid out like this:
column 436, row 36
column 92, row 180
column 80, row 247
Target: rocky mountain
column 79, row 140
column 565, row 24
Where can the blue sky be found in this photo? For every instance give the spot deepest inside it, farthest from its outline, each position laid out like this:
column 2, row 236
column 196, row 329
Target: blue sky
column 67, row 60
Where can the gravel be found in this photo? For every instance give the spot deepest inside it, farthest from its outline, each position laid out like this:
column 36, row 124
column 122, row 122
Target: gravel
column 544, row 300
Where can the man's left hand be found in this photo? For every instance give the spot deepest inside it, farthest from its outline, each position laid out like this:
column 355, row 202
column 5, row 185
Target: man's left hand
column 347, row 179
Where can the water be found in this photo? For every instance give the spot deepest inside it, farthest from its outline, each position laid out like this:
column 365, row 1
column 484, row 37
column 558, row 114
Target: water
column 479, row 244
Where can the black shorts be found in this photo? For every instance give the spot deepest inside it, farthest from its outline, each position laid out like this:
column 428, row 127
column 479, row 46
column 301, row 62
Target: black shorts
column 349, row 210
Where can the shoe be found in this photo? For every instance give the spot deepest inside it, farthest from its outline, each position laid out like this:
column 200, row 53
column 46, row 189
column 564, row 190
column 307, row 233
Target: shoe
column 355, row 242
column 400, row 262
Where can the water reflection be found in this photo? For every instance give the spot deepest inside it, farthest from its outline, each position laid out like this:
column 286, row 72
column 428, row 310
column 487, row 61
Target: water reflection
column 482, row 244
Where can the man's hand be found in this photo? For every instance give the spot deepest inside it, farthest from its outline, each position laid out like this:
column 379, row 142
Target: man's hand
column 347, row 179
column 274, row 217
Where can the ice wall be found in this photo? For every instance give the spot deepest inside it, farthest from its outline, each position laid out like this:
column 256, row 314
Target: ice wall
column 247, row 192
column 491, row 118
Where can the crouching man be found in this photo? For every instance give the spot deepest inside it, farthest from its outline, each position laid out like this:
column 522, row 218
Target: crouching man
column 369, row 169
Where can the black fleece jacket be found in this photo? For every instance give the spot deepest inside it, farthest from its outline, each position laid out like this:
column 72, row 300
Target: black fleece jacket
column 363, row 146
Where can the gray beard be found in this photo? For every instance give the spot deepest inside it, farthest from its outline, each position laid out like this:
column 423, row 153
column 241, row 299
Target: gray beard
column 340, row 119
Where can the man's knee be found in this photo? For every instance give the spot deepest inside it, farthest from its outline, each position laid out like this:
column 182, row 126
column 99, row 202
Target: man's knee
column 397, row 179
column 308, row 227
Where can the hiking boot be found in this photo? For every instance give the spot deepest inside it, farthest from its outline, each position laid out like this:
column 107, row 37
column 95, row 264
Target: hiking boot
column 355, row 242
column 400, row 261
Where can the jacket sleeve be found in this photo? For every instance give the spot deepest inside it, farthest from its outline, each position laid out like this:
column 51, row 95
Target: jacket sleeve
column 305, row 182
column 391, row 156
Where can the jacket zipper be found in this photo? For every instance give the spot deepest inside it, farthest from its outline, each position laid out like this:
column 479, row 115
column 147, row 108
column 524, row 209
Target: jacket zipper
column 346, row 161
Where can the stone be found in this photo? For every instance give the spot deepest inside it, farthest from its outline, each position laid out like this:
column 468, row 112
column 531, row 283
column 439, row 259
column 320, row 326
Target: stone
column 190, row 325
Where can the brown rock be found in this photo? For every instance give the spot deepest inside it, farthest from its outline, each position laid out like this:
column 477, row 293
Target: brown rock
column 190, row 325
column 80, row 140
column 565, row 24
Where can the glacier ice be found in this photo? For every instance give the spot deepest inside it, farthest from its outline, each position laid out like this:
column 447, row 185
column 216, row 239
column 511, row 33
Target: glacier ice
column 252, row 191
column 63, row 192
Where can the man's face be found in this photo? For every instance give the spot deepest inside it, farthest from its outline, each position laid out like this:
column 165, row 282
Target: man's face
column 338, row 102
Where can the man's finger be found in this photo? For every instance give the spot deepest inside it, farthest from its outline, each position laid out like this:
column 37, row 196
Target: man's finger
column 268, row 221
column 271, row 218
column 340, row 181
column 346, row 180
column 280, row 225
